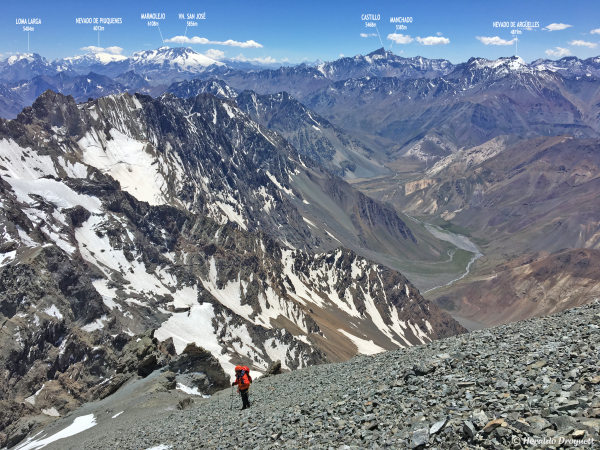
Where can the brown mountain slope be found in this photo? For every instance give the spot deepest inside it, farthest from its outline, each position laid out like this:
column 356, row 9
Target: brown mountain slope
column 532, row 285
column 537, row 195
column 515, row 200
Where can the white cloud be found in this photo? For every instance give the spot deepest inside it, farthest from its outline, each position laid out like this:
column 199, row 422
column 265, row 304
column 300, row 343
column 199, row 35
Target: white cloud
column 199, row 40
column 267, row 60
column 367, row 35
column 400, row 38
column 557, row 27
column 495, row 40
column 439, row 33
column 432, row 40
column 596, row 31
column 214, row 54
column 94, row 49
column 559, row 52
column 114, row 50
column 285, row 60
column 584, row 44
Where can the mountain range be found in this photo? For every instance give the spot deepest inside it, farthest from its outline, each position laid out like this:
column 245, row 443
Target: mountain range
column 155, row 204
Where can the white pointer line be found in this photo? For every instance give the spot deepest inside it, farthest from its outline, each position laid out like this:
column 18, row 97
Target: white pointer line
column 379, row 37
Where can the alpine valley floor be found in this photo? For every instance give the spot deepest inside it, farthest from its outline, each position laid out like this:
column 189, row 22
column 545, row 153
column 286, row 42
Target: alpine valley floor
column 505, row 387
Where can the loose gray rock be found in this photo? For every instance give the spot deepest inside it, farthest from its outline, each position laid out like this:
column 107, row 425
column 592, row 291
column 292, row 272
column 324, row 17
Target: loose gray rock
column 419, row 438
column 436, row 427
column 469, row 429
column 379, row 401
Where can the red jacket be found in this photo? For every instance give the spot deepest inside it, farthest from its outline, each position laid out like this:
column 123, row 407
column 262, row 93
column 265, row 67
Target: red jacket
column 242, row 381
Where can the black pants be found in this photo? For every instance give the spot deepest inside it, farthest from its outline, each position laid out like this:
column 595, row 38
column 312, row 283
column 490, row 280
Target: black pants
column 244, row 395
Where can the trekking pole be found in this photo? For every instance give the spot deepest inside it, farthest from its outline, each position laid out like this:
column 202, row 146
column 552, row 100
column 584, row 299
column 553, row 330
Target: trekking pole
column 231, row 397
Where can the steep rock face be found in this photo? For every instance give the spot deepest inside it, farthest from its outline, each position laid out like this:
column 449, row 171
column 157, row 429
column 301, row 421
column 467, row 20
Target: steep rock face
column 312, row 135
column 50, row 363
column 145, row 354
column 240, row 295
column 193, row 88
column 206, row 155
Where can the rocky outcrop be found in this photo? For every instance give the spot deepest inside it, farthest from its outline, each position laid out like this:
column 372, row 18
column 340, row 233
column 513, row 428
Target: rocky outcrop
column 201, row 368
column 274, row 369
column 144, row 354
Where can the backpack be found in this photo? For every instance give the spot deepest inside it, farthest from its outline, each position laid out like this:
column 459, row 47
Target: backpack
column 246, row 370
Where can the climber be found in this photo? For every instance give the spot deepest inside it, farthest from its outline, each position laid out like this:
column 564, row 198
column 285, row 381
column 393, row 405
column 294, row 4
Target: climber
column 243, row 381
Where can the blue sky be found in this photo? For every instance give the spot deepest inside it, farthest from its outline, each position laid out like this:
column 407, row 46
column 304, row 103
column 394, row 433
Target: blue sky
column 308, row 29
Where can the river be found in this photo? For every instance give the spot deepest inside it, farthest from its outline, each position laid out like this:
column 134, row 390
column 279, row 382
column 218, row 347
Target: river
column 459, row 241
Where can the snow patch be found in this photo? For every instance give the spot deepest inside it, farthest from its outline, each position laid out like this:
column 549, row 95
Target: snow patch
column 232, row 214
column 51, row 412
column 127, row 161
column 53, row 192
column 195, row 327
column 309, row 222
column 31, row 398
column 230, row 295
column 365, row 347
column 23, row 163
column 53, row 311
column 276, row 183
column 191, row 391
column 79, row 425
column 95, row 325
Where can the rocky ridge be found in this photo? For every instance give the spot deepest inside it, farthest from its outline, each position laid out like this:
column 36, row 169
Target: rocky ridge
column 505, row 387
column 478, row 101
column 312, row 135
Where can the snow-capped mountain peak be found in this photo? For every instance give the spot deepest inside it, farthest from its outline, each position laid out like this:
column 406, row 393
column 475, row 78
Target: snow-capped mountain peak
column 93, row 58
column 27, row 57
column 183, row 58
column 570, row 66
column 513, row 63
